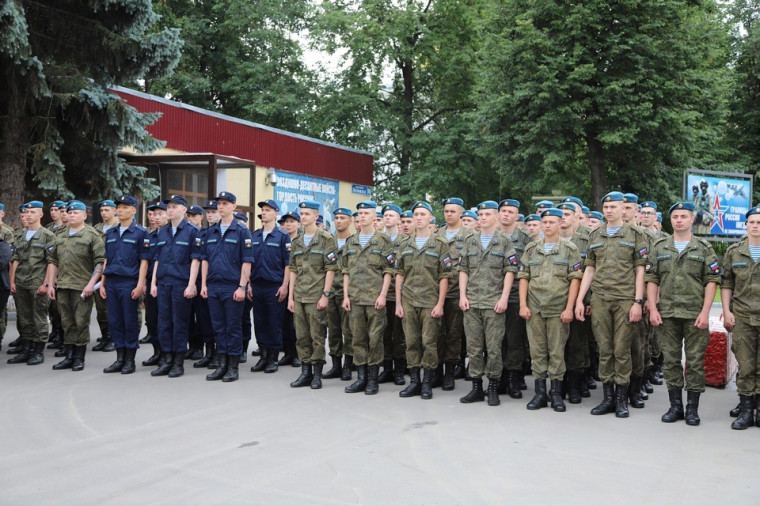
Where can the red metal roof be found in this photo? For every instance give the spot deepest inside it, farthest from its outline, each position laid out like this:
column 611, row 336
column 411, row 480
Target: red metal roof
column 192, row 129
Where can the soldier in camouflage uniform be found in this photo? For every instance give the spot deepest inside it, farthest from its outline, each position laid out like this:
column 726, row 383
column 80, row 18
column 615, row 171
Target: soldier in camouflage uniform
column 394, row 342
column 108, row 214
column 56, row 226
column 338, row 328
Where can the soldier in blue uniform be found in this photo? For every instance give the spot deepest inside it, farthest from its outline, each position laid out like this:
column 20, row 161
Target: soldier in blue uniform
column 200, row 305
column 227, row 260
column 159, row 219
column 123, row 282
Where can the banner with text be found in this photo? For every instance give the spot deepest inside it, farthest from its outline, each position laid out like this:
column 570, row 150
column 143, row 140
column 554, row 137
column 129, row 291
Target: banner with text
column 721, row 202
column 293, row 188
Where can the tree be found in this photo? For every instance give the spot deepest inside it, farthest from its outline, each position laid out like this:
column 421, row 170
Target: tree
column 632, row 90
column 61, row 128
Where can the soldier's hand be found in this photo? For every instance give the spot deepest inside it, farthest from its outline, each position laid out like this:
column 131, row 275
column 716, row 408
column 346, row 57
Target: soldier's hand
column 437, row 311
column 51, row 292
column 291, row 306
column 464, row 304
column 524, row 313
column 566, row 316
column 153, row 291
column 41, row 290
column 655, row 318
column 191, row 291
column 102, row 292
column 580, row 312
column 239, row 295
column 703, row 320
column 346, row 304
column 729, row 321
column 634, row 314
column 501, row 305
column 322, row 303
column 204, row 292
column 282, row 293
column 138, row 292
column 88, row 291
column 399, row 310
column 13, row 288
column 380, row 302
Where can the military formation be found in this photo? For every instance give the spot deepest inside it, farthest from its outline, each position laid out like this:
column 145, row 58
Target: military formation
column 565, row 294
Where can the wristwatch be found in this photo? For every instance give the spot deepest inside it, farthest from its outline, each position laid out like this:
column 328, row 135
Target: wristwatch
column 327, row 293
column 639, row 301
column 241, row 286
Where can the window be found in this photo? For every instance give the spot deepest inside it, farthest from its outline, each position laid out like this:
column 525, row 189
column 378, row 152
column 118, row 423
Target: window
column 190, row 183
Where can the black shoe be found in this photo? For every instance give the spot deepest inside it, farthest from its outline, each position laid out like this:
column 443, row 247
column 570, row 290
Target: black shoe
column 221, row 368
column 675, row 412
column 15, row 343
column 195, row 354
column 78, row 357
column 448, row 377
column 635, row 393
column 493, row 392
column 296, row 362
column 589, row 381
column 232, row 373
column 345, row 373
column 316, row 379
column 67, row 362
column 118, row 364
column 206, row 360
column 476, row 394
column 621, row 401
column 503, row 387
column 426, row 390
column 61, row 352
column 336, row 369
column 153, row 359
column 652, row 376
column 261, row 364
column 555, row 394
column 513, row 389
column 178, row 365
column 164, row 365
column 692, row 407
column 101, row 346
column 214, row 364
column 415, row 385
column 437, row 380
column 541, row 399
column 305, row 378
column 521, row 380
column 145, row 340
column 372, row 381
column 459, row 370
column 399, row 364
column 286, row 359
column 24, row 353
column 757, row 409
column 360, row 385
column 608, row 402
column 387, row 375
column 129, row 361
column 256, row 353
column 272, row 361
column 37, row 355
column 746, row 416
column 573, row 387
column 736, row 411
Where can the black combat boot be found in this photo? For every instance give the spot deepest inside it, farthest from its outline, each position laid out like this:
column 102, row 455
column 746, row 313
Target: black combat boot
column 675, row 412
column 118, row 365
column 736, row 411
column 305, row 378
column 372, row 381
column 272, row 361
column 244, row 353
column 195, row 353
column 437, row 378
column 221, row 368
column 503, row 386
column 78, row 357
column 37, row 355
column 214, row 364
column 146, row 339
column 608, row 403
column 335, row 370
column 652, row 376
column 55, row 341
column 415, row 385
column 24, row 353
column 399, row 364
column 555, row 394
column 68, row 361
column 261, row 364
column 448, row 376
column 521, row 380
column 129, row 361
column 62, row 352
column 256, row 352
column 164, row 365
column 621, row 401
column 588, row 381
column 635, row 393
column 287, row 359
column 153, row 359
column 493, row 392
column 316, row 378
column 101, row 346
column 361, row 383
column 692, row 408
column 573, row 387
column 540, row 400
column 513, row 389
column 459, row 370
column 426, row 391
column 746, row 415
column 178, row 365
column 345, row 373
column 387, row 375
column 232, row 373
column 206, row 360
column 476, row 394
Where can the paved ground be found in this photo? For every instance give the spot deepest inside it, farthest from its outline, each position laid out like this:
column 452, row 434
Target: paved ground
column 90, row 438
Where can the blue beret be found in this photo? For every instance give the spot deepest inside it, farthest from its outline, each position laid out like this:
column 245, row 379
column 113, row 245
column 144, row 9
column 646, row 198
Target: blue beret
column 574, row 200
column 422, row 204
column 177, row 199
column 57, row 203
column 269, row 202
column 379, row 214
column 585, row 210
column 309, row 204
column 553, row 211
column 355, row 214
column 649, row 203
column 453, row 200
column 407, row 214
column 210, row 204
column 157, row 205
column 682, row 206
column 228, row 196
column 596, row 214
column 752, row 210
column 509, row 202
column 197, row 210
column 291, row 214
column 320, row 219
column 128, row 200
column 520, row 217
column 570, row 206
column 532, row 217
column 241, row 216
column 630, row 198
column 613, row 197
column 392, row 207
column 75, row 205
column 488, row 204
column 433, row 220
column 659, row 217
column 2, row 206
column 342, row 210
column 470, row 214
column 107, row 203
column 22, row 207
column 544, row 204
column 34, row 204
column 366, row 204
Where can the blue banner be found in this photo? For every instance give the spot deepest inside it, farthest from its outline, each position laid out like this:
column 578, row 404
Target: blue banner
column 293, row 188
column 721, row 201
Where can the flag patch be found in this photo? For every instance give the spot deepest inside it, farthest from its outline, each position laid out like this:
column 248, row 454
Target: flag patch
column 332, row 257
column 643, row 252
column 577, row 266
column 715, row 268
column 146, row 243
column 513, row 260
column 197, row 241
column 447, row 263
column 247, row 243
column 391, row 259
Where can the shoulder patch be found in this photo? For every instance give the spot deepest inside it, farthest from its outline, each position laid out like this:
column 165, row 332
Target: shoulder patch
column 391, row 259
column 648, row 266
column 447, row 263
column 577, row 266
column 247, row 243
column 332, row 257
column 643, row 252
column 715, row 267
column 513, row 259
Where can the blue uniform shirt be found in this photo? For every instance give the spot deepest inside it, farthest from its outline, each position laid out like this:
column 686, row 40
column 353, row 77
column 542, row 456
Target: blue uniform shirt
column 271, row 255
column 175, row 254
column 153, row 242
column 124, row 252
column 227, row 253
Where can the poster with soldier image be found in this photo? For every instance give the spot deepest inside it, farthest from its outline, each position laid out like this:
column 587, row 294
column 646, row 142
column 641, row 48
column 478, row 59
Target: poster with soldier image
column 721, row 200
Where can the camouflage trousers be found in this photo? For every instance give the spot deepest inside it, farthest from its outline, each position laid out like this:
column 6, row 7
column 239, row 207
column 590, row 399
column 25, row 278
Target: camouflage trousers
column 31, row 315
column 339, row 337
column 367, row 326
column 75, row 316
column 746, row 347
column 421, row 333
column 678, row 333
column 614, row 335
column 547, row 338
column 311, row 331
column 484, row 329
column 452, row 331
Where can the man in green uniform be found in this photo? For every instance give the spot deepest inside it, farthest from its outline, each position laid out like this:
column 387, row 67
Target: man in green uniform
column 486, row 267
column 740, row 296
column 394, row 342
column 338, row 328
column 615, row 275
column 549, row 274
column 77, row 260
column 367, row 265
column 652, row 354
column 313, row 263
column 28, row 274
column 682, row 272
column 423, row 270
column 108, row 215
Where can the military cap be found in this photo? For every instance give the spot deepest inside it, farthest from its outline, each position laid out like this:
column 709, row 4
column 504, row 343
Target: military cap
column 366, row 204
column 355, row 214
column 682, row 206
column 407, row 214
column 320, row 220
column 532, row 217
column 570, row 206
column 309, row 204
column 241, row 216
column 157, row 205
column 63, row 205
column 107, row 203
column 597, row 215
column 453, row 200
column 392, row 207
column 271, row 203
column 290, row 214
column 22, row 207
column 127, row 200
column 422, row 204
column 57, row 204
column 342, row 210
column 470, row 214
column 228, row 196
column 509, row 202
column 488, row 204
column 210, row 204
column 585, row 210
column 544, row 204
column 554, row 211
column 521, row 218
column 630, row 198
column 752, row 210
column 197, row 210
column 659, row 217
column 75, row 205
column 613, row 197
column 649, row 203
column 574, row 200
column 177, row 199
column 34, row 204
column 2, row 206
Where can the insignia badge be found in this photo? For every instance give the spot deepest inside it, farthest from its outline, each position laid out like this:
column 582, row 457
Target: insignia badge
column 288, row 246
column 577, row 266
column 332, row 257
column 643, row 252
column 247, row 243
column 513, row 260
column 391, row 259
column 197, row 241
column 146, row 243
column 648, row 266
column 447, row 263
column 715, row 267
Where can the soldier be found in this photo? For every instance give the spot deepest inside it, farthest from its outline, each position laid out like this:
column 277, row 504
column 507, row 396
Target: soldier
column 406, row 223
column 290, row 223
column 269, row 285
column 177, row 262
column 653, row 356
column 226, row 269
column 202, row 328
column 379, row 224
column 615, row 275
column 29, row 272
column 367, row 265
column 77, row 260
column 533, row 226
column 487, row 267
column 549, row 274
column 157, row 214
column 740, row 299
column 585, row 215
column 705, row 214
column 313, row 262
column 108, row 215
column 57, row 226
column 423, row 270
column 595, row 220
column 338, row 327
column 127, row 254
column 394, row 342
column 242, row 218
column 682, row 272
column 469, row 219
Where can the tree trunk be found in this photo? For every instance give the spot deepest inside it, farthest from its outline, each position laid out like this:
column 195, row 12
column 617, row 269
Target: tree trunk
column 598, row 171
column 405, row 155
column 13, row 151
